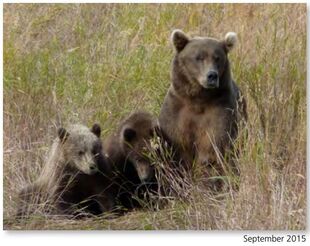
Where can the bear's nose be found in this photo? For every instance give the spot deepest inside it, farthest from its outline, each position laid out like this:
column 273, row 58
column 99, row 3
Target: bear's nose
column 93, row 167
column 212, row 76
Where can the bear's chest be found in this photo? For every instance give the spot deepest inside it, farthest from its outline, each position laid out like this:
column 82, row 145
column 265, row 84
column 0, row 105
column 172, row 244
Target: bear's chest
column 202, row 128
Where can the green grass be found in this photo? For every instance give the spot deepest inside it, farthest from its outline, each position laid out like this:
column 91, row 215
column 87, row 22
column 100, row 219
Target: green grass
column 67, row 63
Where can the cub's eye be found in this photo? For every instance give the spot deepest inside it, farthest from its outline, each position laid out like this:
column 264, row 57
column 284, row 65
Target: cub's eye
column 200, row 57
column 80, row 153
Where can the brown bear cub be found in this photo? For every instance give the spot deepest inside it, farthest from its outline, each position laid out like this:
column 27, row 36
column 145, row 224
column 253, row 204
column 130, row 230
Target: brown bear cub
column 75, row 179
column 203, row 104
column 129, row 150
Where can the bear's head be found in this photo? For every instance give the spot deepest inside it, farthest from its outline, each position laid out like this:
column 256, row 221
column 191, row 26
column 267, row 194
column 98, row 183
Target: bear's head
column 136, row 135
column 203, row 60
column 81, row 147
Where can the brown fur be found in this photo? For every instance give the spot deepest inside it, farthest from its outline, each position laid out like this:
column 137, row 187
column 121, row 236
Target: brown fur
column 75, row 177
column 128, row 151
column 200, row 114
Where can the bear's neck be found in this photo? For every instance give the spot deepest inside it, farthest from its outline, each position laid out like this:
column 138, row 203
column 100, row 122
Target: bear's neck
column 193, row 91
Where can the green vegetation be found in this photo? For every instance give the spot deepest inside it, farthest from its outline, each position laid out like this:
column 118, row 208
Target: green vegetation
column 68, row 63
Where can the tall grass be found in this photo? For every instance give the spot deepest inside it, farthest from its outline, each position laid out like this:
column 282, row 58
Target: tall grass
column 98, row 62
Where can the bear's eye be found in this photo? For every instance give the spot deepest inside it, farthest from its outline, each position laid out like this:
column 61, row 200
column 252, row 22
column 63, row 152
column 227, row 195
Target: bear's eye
column 216, row 58
column 80, row 153
column 199, row 57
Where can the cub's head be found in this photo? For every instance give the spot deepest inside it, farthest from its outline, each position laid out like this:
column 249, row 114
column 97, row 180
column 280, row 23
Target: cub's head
column 81, row 147
column 136, row 135
column 203, row 60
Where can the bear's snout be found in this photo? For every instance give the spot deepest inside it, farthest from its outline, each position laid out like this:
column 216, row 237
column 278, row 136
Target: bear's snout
column 144, row 170
column 212, row 79
column 93, row 167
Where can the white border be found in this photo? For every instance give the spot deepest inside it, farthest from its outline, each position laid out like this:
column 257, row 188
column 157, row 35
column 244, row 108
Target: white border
column 125, row 238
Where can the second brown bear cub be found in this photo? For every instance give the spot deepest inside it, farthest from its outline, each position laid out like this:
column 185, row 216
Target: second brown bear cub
column 128, row 151
column 201, row 109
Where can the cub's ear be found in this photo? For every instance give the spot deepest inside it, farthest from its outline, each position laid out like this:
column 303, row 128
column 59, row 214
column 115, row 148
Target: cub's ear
column 96, row 129
column 63, row 134
column 129, row 135
column 230, row 41
column 179, row 40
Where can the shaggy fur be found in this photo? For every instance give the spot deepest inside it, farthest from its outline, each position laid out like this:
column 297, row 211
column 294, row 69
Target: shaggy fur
column 128, row 150
column 201, row 109
column 75, row 178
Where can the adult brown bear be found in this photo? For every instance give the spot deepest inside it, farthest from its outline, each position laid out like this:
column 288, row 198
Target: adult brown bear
column 203, row 104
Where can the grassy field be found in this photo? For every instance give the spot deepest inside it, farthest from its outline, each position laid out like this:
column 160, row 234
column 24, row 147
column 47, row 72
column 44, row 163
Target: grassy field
column 68, row 63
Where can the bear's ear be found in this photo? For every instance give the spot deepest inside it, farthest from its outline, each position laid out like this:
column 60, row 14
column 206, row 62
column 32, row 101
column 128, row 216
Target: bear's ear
column 129, row 134
column 179, row 40
column 63, row 134
column 96, row 129
column 230, row 41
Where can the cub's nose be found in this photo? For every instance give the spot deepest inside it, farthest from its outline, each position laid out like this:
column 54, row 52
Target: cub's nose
column 93, row 168
column 212, row 76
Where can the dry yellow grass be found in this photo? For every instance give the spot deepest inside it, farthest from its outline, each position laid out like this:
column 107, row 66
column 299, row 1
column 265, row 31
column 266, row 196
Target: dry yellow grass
column 98, row 62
